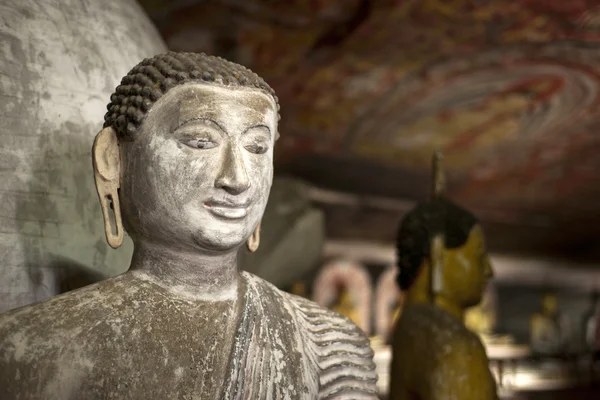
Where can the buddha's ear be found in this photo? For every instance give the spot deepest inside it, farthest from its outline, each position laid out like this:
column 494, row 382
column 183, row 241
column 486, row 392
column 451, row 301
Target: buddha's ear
column 107, row 166
column 436, row 256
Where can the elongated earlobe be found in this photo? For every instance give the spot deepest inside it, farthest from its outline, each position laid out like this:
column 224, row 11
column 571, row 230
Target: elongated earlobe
column 114, row 235
column 254, row 240
column 106, row 161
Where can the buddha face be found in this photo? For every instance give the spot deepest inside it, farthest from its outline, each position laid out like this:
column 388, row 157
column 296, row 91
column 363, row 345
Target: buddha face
column 467, row 270
column 199, row 172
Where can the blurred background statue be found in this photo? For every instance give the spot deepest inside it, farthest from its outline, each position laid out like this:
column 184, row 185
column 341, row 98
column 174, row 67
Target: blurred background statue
column 443, row 270
column 346, row 305
column 548, row 328
column 481, row 319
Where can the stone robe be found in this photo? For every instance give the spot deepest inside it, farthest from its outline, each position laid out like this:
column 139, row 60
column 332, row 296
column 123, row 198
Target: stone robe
column 130, row 338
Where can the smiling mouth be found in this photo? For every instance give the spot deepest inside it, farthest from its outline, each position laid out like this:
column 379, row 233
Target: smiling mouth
column 226, row 210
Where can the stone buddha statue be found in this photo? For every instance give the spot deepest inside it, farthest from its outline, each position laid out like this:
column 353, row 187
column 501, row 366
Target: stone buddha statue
column 443, row 270
column 184, row 165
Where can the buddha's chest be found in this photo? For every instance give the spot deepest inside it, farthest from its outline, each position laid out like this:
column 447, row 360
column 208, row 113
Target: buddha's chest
column 178, row 353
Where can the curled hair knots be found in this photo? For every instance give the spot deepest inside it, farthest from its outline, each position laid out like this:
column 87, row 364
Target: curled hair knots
column 153, row 77
column 418, row 228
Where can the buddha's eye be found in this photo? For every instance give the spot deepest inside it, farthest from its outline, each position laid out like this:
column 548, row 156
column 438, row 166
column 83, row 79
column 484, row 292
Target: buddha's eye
column 257, row 139
column 257, row 148
column 203, row 144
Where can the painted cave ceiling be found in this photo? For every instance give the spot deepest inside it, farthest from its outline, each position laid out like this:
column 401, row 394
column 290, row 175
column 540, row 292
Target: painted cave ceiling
column 508, row 90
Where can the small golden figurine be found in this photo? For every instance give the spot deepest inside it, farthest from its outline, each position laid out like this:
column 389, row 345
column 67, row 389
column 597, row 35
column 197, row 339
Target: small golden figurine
column 346, row 306
column 546, row 327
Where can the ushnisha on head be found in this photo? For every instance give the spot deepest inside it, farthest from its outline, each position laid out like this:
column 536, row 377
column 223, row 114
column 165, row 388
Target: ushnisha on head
column 448, row 240
column 185, row 158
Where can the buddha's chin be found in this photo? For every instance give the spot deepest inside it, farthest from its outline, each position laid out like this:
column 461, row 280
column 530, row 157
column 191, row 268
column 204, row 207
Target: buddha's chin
column 219, row 232
column 215, row 245
column 218, row 238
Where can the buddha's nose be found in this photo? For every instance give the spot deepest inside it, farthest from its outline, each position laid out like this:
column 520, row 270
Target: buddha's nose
column 232, row 176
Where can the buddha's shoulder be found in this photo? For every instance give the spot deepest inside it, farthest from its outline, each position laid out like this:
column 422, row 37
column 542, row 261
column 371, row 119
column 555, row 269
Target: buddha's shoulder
column 77, row 305
column 429, row 315
column 438, row 328
column 41, row 330
column 340, row 348
column 322, row 320
column 316, row 319
column 337, row 347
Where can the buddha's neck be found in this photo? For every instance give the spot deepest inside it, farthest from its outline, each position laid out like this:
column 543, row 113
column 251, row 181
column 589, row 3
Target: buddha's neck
column 188, row 274
column 450, row 307
column 413, row 296
column 419, row 295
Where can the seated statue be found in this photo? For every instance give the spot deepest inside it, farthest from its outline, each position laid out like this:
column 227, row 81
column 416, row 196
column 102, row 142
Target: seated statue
column 443, row 270
column 481, row 320
column 184, row 164
column 345, row 305
column 547, row 328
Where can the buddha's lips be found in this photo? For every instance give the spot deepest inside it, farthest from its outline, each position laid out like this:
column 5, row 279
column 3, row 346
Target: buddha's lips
column 227, row 210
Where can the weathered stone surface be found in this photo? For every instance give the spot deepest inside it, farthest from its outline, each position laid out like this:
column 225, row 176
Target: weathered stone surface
column 60, row 61
column 146, row 343
column 185, row 164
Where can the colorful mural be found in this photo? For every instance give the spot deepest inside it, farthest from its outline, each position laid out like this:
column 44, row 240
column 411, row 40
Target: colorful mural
column 508, row 90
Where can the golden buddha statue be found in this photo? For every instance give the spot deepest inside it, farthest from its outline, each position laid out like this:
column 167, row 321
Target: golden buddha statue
column 346, row 306
column 299, row 289
column 444, row 269
column 481, row 320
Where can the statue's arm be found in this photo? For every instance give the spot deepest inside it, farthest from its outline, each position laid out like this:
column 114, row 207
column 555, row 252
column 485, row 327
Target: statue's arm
column 463, row 373
column 342, row 353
